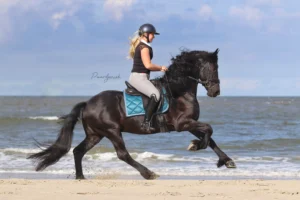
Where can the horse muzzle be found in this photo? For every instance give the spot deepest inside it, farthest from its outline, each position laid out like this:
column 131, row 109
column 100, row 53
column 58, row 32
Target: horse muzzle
column 214, row 90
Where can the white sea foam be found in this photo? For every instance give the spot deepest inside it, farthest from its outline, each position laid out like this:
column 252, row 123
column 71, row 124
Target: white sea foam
column 13, row 160
column 150, row 156
column 44, row 117
column 19, row 150
column 173, row 171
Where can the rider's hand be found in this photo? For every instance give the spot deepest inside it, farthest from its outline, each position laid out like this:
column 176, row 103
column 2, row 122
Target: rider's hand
column 164, row 69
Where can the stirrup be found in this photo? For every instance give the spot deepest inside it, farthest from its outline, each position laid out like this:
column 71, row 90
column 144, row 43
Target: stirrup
column 147, row 126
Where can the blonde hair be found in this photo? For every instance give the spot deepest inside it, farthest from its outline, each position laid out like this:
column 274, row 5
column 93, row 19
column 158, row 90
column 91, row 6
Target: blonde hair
column 134, row 41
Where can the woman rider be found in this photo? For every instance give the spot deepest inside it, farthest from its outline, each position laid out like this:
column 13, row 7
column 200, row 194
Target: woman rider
column 141, row 52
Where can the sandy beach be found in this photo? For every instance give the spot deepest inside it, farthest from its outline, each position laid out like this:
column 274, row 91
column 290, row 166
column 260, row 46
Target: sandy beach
column 13, row 189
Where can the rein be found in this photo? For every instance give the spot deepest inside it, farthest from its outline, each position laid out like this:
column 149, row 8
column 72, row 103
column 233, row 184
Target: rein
column 209, row 79
column 198, row 80
column 207, row 83
column 169, row 86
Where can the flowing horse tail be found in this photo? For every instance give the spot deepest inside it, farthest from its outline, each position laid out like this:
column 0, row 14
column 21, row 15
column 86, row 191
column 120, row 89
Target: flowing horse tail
column 62, row 145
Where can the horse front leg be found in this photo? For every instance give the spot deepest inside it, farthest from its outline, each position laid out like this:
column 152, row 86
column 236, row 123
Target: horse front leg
column 223, row 158
column 203, row 131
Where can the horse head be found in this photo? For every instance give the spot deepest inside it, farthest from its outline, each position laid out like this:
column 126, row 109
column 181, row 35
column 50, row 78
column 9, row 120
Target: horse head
column 208, row 72
column 199, row 66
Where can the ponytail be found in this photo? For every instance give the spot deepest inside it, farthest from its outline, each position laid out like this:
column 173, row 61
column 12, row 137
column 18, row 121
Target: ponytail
column 134, row 41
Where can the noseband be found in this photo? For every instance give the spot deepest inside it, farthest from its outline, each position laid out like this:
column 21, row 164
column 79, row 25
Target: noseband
column 209, row 80
column 207, row 83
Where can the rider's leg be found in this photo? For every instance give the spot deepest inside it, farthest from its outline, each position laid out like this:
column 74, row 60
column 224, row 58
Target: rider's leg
column 141, row 82
column 150, row 110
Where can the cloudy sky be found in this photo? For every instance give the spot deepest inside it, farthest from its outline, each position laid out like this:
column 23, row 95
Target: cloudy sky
column 53, row 47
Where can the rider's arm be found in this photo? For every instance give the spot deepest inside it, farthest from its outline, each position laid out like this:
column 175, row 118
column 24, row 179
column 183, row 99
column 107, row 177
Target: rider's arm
column 145, row 54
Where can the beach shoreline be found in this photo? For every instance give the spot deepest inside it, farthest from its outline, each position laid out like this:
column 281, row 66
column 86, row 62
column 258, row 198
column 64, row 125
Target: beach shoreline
column 32, row 189
column 119, row 176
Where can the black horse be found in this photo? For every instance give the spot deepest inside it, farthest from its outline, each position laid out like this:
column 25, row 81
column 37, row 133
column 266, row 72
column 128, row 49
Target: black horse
column 104, row 115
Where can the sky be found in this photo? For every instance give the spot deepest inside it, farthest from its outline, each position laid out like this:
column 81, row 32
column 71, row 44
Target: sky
column 55, row 47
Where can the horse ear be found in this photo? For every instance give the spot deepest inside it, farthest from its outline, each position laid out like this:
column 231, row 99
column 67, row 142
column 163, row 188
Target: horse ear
column 216, row 51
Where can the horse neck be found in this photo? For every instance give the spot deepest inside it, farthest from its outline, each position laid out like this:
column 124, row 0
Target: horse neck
column 193, row 88
column 187, row 86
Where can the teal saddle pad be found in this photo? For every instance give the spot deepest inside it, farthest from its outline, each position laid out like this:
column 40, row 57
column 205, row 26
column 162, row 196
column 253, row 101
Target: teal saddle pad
column 134, row 105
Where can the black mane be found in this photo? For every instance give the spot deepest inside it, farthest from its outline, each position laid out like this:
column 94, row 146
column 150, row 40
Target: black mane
column 182, row 66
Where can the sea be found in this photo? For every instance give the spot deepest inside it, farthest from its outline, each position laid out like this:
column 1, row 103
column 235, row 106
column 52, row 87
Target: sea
column 261, row 135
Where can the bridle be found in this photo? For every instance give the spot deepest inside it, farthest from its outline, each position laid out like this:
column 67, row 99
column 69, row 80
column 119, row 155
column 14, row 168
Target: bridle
column 207, row 83
column 209, row 80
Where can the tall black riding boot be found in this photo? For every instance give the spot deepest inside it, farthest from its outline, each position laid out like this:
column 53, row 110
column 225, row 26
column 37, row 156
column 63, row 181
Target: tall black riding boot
column 150, row 110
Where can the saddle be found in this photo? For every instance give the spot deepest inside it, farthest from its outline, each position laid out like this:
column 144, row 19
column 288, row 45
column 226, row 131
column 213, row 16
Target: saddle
column 133, row 94
column 132, row 91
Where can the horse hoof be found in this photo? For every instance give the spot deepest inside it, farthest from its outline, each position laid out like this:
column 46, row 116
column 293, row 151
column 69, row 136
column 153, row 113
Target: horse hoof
column 194, row 145
column 151, row 176
column 80, row 178
column 230, row 164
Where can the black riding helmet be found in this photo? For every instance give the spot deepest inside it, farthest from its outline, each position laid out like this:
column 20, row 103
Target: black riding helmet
column 147, row 28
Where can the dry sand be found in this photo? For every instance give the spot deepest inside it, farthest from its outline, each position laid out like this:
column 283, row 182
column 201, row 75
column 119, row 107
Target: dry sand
column 11, row 189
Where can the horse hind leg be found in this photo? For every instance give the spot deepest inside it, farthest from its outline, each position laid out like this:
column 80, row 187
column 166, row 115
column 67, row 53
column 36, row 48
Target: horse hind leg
column 117, row 140
column 88, row 143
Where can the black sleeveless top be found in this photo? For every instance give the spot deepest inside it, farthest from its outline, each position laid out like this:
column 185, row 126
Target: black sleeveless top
column 138, row 65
